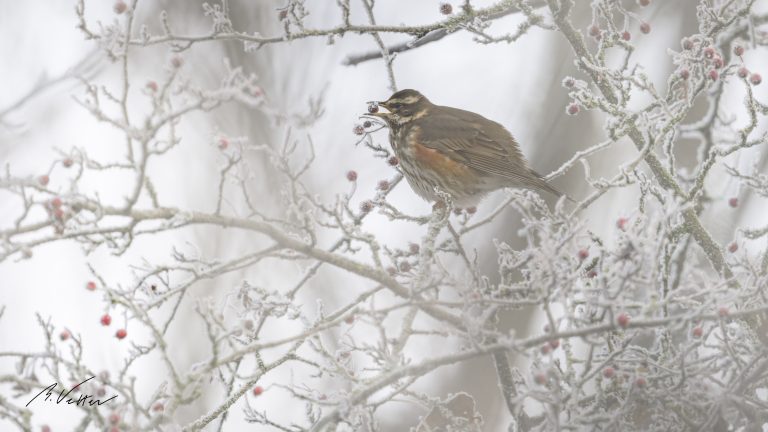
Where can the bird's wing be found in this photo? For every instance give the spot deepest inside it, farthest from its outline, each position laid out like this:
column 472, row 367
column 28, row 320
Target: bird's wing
column 479, row 143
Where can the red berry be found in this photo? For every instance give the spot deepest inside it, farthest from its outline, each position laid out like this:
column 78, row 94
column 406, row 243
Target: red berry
column 717, row 62
column 223, row 143
column 106, row 320
column 738, row 50
column 641, row 382
column 101, row 391
column 152, row 86
column 56, row 202
column 609, row 372
column 177, row 61
column 583, row 254
column 64, row 335
column 43, row 180
column 366, row 206
column 733, row 202
column 446, row 8
column 258, row 390
column 685, row 74
column 373, row 108
column 383, row 185
column 158, row 407
column 391, row 270
column 755, row 79
column 45, row 428
column 358, row 130
column 350, row 319
column 743, row 72
column 554, row 343
column 414, row 248
column 351, row 175
column 722, row 311
column 591, row 274
column 594, row 31
column 645, row 28
column 626, row 35
column 114, row 418
column 120, row 7
column 68, row 162
column 709, row 52
column 405, row 266
column 687, row 44
column 621, row 223
column 713, row 75
column 121, row 334
column 733, row 247
column 545, row 349
column 472, row 210
column 540, row 378
column 393, row 161
column 283, row 14
column 643, row 2
column 622, row 320
column 58, row 213
column 698, row 332
column 573, row 109
column 90, row 286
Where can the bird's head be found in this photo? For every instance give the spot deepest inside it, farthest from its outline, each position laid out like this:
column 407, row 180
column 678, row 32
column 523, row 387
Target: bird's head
column 403, row 106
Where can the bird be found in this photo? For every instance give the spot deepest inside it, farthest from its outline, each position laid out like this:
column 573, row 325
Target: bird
column 445, row 150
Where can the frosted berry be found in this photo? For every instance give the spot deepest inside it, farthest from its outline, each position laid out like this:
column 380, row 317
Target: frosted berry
column 569, row 82
column 383, row 185
column 717, row 62
column 554, row 343
column 594, row 31
column 626, row 35
column 743, row 72
column 405, row 266
column 687, row 44
column 258, row 390
column 351, row 175
column 733, row 202
column 358, row 130
column 545, row 349
column 591, row 274
column 645, row 28
column 446, row 8
column 685, row 74
column 755, row 79
column 583, row 254
column 622, row 320
column 471, row 210
column 90, row 286
column 393, row 161
column 106, row 320
column 43, row 180
column 120, row 7
column 722, row 311
column 114, row 418
column 573, row 109
column 738, row 50
column 733, row 247
column 366, row 206
column 64, row 335
column 223, row 143
column 621, row 223
column 414, row 248
column 709, row 52
column 643, row 2
column 713, row 75
column 641, row 382
column 697, row 332
column 540, row 378
column 56, row 202
column 177, row 61
column 45, row 428
column 158, row 407
column 121, row 334
column 350, row 319
column 152, row 86
column 67, row 162
column 609, row 372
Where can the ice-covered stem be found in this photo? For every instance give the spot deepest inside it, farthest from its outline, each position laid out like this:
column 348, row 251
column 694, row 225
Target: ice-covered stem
column 692, row 224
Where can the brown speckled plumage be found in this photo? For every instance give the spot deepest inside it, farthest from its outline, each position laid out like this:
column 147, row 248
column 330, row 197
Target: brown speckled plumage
column 461, row 153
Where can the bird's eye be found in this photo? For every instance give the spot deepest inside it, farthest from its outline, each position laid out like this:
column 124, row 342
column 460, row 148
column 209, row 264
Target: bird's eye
column 397, row 105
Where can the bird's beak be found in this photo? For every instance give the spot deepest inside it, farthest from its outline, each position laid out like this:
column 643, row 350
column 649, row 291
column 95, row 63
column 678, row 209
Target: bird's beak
column 379, row 114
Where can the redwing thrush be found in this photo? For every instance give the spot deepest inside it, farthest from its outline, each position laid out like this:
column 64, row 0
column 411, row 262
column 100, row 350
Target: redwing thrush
column 454, row 151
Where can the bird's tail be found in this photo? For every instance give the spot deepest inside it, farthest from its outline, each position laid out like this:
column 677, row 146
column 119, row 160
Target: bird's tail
column 538, row 182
